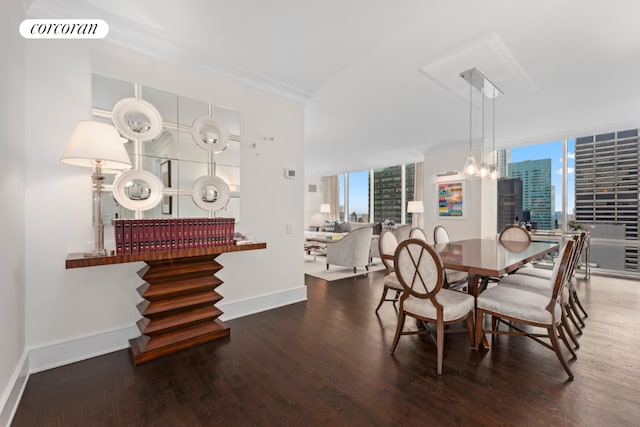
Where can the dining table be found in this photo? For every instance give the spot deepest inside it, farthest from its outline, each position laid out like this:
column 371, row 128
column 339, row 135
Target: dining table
column 488, row 257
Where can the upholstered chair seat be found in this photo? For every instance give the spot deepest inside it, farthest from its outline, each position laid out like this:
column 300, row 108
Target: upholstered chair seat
column 455, row 305
column 523, row 304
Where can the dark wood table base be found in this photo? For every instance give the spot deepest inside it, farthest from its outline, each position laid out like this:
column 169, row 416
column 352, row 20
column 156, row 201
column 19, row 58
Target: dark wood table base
column 179, row 307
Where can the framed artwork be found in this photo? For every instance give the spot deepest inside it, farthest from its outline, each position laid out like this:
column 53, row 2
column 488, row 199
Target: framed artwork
column 167, row 204
column 451, row 199
column 165, row 173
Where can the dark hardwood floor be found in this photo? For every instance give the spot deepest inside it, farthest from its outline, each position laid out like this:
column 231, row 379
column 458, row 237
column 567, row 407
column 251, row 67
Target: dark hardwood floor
column 327, row 362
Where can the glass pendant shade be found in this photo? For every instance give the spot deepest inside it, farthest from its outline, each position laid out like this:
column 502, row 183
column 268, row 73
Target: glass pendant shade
column 483, row 170
column 470, row 166
column 493, row 172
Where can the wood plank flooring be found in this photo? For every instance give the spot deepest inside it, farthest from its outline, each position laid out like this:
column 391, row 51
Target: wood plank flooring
column 326, row 362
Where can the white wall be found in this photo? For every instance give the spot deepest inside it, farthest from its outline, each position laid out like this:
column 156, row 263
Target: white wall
column 64, row 305
column 479, row 203
column 12, row 249
column 312, row 201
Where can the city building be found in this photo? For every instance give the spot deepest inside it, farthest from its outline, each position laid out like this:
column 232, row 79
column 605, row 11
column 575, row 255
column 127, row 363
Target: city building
column 387, row 192
column 536, row 191
column 607, row 186
column 509, row 202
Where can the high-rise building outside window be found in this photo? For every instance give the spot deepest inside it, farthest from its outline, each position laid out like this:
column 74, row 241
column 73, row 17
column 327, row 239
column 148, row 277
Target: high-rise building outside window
column 606, row 192
column 536, row 192
column 387, row 194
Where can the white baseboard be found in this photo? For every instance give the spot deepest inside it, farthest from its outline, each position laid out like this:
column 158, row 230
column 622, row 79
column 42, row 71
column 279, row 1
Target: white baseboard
column 13, row 393
column 62, row 353
column 245, row 307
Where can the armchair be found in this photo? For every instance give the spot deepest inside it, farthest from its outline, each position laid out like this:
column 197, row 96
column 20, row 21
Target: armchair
column 352, row 250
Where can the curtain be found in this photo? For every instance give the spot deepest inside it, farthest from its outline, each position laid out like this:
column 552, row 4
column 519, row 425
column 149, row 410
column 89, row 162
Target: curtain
column 418, row 190
column 331, row 195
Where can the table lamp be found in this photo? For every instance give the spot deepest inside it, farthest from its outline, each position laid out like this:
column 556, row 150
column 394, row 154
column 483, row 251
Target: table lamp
column 97, row 145
column 325, row 208
column 415, row 207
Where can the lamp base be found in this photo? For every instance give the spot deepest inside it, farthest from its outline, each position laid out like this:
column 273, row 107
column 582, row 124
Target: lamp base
column 96, row 253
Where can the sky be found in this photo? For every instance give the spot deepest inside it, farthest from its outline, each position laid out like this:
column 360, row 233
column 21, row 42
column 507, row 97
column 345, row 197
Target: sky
column 553, row 151
column 359, row 181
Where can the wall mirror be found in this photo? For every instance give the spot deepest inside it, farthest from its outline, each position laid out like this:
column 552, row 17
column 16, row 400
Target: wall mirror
column 185, row 152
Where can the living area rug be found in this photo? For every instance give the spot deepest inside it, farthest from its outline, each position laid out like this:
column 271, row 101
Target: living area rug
column 318, row 268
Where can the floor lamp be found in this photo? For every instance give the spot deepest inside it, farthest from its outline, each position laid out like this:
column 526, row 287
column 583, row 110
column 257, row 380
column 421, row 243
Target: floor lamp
column 415, row 208
column 97, row 145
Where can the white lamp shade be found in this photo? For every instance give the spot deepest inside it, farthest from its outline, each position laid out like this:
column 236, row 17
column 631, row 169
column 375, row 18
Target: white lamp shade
column 325, row 208
column 415, row 207
column 92, row 141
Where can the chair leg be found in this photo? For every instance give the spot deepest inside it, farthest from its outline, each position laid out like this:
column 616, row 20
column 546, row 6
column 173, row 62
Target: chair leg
column 553, row 336
column 382, row 298
column 479, row 328
column 327, row 266
column 577, row 301
column 566, row 327
column 401, row 317
column 563, row 337
column 366, row 267
column 567, row 310
column 470, row 328
column 440, row 344
column 574, row 310
column 354, row 270
column 495, row 323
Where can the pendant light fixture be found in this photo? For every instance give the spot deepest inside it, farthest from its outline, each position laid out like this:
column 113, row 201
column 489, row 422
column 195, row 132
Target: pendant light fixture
column 487, row 89
column 483, row 169
column 470, row 166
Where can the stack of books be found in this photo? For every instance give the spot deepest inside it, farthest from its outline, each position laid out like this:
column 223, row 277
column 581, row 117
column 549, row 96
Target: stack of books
column 147, row 235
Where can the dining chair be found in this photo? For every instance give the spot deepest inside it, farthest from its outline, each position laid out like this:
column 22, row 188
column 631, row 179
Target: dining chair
column 440, row 235
column 515, row 233
column 421, row 274
column 418, row 233
column 454, row 279
column 542, row 285
column 572, row 301
column 387, row 244
column 513, row 305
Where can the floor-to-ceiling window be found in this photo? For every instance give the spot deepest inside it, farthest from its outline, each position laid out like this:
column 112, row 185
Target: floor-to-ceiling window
column 592, row 184
column 387, row 194
column 409, row 189
column 377, row 195
column 358, row 196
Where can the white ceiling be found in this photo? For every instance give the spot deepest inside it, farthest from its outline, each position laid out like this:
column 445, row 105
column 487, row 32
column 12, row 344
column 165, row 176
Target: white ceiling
column 380, row 79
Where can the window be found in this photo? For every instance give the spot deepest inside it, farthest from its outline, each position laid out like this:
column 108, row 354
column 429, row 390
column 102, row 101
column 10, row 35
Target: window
column 358, row 196
column 376, row 195
column 387, row 194
column 602, row 187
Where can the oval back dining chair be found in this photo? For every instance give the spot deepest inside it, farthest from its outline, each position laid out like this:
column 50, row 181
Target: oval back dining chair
column 515, row 233
column 421, row 274
column 418, row 233
column 441, row 235
column 387, row 244
column 453, row 278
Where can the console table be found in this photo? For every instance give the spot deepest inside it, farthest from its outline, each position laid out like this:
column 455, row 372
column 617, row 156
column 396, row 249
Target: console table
column 179, row 297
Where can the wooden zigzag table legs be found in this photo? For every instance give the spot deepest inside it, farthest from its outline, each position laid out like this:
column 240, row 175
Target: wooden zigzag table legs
column 179, row 307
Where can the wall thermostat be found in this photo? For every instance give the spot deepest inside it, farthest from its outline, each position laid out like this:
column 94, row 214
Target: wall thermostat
column 290, row 173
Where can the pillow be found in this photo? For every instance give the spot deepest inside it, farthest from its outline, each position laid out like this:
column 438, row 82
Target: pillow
column 377, row 229
column 329, row 226
column 340, row 227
